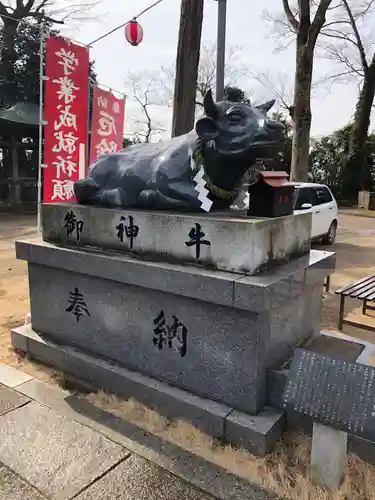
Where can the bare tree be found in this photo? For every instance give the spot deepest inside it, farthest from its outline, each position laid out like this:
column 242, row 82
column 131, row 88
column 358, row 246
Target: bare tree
column 352, row 45
column 189, row 42
column 234, row 71
column 12, row 12
column 307, row 25
column 144, row 87
column 346, row 38
column 302, row 24
column 279, row 86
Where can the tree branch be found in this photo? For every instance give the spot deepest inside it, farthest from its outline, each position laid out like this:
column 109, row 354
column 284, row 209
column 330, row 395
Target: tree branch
column 319, row 20
column 359, row 44
column 372, row 63
column 365, row 10
column 335, row 76
column 29, row 5
column 3, row 9
column 335, row 54
column 337, row 35
column 40, row 15
column 290, row 16
column 335, row 23
column 144, row 86
column 304, row 12
column 41, row 6
column 278, row 86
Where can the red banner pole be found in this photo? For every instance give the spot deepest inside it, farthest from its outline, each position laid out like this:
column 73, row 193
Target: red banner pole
column 42, row 78
column 66, row 109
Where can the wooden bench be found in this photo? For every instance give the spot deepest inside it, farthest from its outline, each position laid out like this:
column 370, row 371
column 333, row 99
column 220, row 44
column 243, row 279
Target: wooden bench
column 363, row 290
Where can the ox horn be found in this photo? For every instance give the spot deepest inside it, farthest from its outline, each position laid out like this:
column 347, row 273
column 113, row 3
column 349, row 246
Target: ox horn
column 209, row 105
column 266, row 106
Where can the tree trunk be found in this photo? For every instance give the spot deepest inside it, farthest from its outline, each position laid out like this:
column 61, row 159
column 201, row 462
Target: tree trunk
column 8, row 59
column 356, row 174
column 188, row 49
column 302, row 113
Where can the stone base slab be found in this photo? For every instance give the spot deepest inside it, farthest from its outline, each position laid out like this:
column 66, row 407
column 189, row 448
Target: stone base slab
column 228, row 242
column 250, row 293
column 256, row 433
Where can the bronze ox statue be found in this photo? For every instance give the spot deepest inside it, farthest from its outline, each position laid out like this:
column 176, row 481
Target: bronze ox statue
column 201, row 170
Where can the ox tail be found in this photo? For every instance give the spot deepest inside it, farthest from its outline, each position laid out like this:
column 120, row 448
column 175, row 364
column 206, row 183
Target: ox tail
column 86, row 190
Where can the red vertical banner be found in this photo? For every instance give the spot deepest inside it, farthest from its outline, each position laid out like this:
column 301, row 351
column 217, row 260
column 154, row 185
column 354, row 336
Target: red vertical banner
column 107, row 124
column 65, row 113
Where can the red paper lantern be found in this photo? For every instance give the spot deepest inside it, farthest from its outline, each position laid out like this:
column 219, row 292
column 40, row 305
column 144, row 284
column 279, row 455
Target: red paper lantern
column 133, row 33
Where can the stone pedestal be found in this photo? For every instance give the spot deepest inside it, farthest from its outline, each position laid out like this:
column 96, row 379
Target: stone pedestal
column 224, row 242
column 211, row 333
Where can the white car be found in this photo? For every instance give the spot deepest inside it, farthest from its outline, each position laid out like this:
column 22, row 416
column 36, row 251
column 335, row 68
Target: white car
column 318, row 200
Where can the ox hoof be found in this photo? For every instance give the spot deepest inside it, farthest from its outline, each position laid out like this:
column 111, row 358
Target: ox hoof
column 113, row 198
column 85, row 190
column 147, row 197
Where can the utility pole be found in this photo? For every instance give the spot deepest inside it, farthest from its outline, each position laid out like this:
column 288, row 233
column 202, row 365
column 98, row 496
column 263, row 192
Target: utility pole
column 220, row 56
column 189, row 42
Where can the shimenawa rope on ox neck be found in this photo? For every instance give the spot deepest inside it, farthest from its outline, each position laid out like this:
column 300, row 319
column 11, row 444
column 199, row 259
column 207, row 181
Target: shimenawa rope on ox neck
column 197, row 161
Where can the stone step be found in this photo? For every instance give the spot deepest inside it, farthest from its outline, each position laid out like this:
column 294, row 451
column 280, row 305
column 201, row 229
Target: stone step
column 257, row 433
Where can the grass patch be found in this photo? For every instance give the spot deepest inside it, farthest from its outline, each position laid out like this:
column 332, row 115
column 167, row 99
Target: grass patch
column 284, row 472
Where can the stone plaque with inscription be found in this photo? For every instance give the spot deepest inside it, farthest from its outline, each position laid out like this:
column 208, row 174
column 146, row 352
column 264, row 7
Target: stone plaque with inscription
column 201, row 239
column 333, row 392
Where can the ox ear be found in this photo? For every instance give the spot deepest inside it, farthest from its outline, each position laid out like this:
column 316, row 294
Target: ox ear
column 266, row 106
column 206, row 129
column 209, row 105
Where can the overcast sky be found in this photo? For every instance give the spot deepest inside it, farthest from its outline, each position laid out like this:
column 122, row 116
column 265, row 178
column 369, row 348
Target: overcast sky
column 114, row 57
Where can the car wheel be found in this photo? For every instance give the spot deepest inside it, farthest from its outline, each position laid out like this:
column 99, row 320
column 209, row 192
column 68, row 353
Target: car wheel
column 329, row 238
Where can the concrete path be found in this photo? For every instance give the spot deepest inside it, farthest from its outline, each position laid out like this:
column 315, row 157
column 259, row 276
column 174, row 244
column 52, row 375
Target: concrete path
column 357, row 212
column 54, row 446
